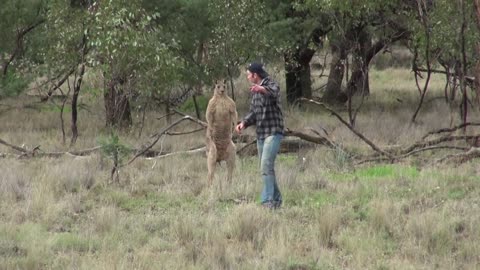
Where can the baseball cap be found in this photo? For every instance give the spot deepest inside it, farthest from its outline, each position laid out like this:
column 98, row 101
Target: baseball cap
column 256, row 67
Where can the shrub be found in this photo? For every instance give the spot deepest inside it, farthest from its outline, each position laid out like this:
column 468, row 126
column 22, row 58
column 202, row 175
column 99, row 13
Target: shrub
column 189, row 105
column 12, row 85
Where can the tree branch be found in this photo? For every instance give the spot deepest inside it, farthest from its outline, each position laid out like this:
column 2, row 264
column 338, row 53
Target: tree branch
column 367, row 141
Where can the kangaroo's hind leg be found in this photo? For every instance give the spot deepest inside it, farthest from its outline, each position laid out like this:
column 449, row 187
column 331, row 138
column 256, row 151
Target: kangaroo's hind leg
column 231, row 156
column 211, row 162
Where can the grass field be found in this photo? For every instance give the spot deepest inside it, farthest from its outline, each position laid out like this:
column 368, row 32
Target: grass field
column 66, row 214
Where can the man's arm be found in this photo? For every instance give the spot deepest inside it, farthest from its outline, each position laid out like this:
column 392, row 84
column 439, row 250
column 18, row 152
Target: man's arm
column 272, row 89
column 268, row 88
column 249, row 119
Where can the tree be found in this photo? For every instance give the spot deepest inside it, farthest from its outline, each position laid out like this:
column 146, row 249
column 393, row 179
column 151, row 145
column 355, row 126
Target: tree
column 67, row 49
column 477, row 67
column 132, row 54
column 296, row 30
column 188, row 23
column 362, row 30
column 446, row 34
column 19, row 17
column 115, row 38
column 237, row 36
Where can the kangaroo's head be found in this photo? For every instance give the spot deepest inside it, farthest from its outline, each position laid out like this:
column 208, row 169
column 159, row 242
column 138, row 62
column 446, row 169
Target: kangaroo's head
column 220, row 87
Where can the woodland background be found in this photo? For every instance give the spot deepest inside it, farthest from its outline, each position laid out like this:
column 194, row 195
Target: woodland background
column 102, row 106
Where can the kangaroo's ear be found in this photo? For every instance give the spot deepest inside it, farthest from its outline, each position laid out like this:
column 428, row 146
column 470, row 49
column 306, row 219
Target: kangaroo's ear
column 225, row 81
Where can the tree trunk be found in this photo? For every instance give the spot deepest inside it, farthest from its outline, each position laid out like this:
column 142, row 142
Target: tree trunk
column 297, row 74
column 362, row 56
column 117, row 106
column 76, row 91
column 198, row 91
column 333, row 92
column 477, row 67
column 197, row 108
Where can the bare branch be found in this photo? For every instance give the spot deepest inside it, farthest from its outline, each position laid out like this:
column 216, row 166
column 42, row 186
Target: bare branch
column 158, row 136
column 38, row 153
column 474, row 152
column 447, row 138
column 18, row 148
column 442, row 130
column 241, row 150
column 198, row 121
column 367, row 141
column 193, row 151
column 184, row 133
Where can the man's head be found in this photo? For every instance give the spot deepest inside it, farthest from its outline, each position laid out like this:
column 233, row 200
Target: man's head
column 255, row 72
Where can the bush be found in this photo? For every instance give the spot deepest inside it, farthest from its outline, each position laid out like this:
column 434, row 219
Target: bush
column 12, row 85
column 114, row 149
column 189, row 105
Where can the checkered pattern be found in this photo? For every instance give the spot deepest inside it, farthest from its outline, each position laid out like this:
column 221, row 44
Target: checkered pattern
column 265, row 111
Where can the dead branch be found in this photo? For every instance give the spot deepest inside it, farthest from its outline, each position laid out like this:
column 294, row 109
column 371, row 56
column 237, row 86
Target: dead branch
column 166, row 115
column 18, row 148
column 193, row 151
column 185, row 132
column 367, row 141
column 74, row 153
column 468, row 79
column 447, row 138
column 37, row 152
column 242, row 150
column 158, row 136
column 442, row 130
column 309, row 138
column 196, row 120
column 474, row 152
column 379, row 159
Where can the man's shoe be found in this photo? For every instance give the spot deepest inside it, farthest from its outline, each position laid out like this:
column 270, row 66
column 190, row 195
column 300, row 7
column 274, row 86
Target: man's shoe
column 269, row 205
column 272, row 205
column 277, row 204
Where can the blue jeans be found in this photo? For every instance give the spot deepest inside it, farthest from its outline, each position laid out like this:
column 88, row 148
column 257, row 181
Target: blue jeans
column 267, row 150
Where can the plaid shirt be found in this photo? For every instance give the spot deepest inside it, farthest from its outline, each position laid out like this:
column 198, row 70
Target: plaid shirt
column 265, row 111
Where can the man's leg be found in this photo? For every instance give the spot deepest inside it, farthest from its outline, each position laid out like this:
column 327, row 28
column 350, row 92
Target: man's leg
column 270, row 148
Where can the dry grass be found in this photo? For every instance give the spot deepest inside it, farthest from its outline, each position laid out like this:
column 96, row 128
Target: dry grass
column 65, row 214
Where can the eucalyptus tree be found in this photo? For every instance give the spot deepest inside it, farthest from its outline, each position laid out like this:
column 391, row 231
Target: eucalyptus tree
column 238, row 36
column 116, row 39
column 132, row 54
column 445, row 34
column 296, row 30
column 361, row 29
column 19, row 18
column 213, row 39
column 477, row 67
column 187, row 23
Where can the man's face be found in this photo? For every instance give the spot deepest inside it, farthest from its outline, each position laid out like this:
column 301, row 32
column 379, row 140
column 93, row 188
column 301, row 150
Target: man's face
column 252, row 77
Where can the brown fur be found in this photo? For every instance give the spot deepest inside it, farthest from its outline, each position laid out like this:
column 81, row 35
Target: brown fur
column 221, row 118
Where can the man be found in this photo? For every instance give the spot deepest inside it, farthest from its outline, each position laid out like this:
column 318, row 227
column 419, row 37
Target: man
column 266, row 114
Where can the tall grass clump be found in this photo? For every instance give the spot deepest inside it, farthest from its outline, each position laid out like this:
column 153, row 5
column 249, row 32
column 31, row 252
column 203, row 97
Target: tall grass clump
column 14, row 183
column 250, row 224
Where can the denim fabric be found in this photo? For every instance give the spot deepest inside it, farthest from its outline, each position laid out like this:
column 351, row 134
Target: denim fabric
column 267, row 150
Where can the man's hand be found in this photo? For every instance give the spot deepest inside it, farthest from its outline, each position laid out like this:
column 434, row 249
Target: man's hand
column 258, row 89
column 239, row 127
